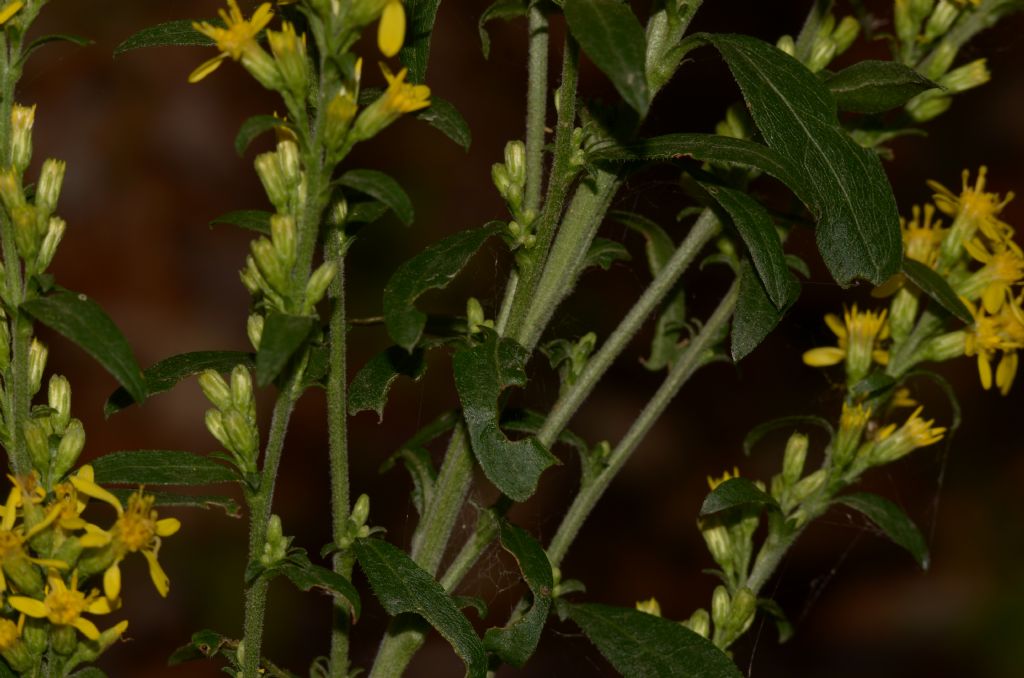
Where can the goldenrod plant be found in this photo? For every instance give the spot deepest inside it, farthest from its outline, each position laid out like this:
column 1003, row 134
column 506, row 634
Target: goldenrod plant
column 946, row 286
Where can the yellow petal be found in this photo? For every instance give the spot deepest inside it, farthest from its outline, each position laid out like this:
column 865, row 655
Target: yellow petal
column 992, row 297
column 10, row 10
column 47, row 562
column 91, row 489
column 29, row 606
column 160, row 579
column 165, row 527
column 391, row 30
column 1006, row 371
column 880, row 356
column 205, row 68
column 112, row 582
column 100, row 605
column 824, row 356
column 984, row 371
column 94, row 537
column 87, row 628
column 835, row 324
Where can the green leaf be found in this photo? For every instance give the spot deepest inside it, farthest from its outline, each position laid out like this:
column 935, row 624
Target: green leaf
column 778, row 615
column 204, row 644
column 166, row 374
column 307, row 576
column 369, row 389
column 283, row 336
column 59, row 37
column 160, row 467
column 735, row 493
column 81, row 320
column 481, row 372
column 415, row 53
column 892, row 521
column 198, row 501
column 671, row 323
column 177, row 33
column 500, row 9
column 604, row 253
column 444, row 117
column 420, row 467
column 640, row 644
column 613, row 38
column 253, row 220
column 759, row 235
column 858, row 224
column 515, row 643
column 402, row 586
column 936, row 287
column 876, row 86
column 365, row 212
column 382, row 187
column 756, row 316
column 254, row 127
column 432, row 268
column 789, row 423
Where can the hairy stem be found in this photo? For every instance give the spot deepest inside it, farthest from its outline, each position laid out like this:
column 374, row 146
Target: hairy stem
column 691, row 359
column 536, row 107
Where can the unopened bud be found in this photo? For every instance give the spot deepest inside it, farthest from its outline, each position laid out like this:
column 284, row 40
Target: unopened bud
column 251, row 277
column 215, row 425
column 339, row 212
column 846, row 32
column 254, row 328
column 273, row 179
column 58, row 395
column 241, row 435
column 719, row 544
column 270, row 265
column 51, row 241
column 822, row 54
column 22, row 120
column 282, row 235
column 475, row 317
column 276, row 546
column 744, row 604
column 361, row 511
column 291, row 164
column 241, row 388
column 318, row 283
column 946, row 346
column 941, row 58
column 500, row 177
column 929, row 105
column 51, row 178
column 966, row 77
column 787, row 45
column 290, row 52
column 38, row 443
column 341, row 111
column 721, row 605
column 10, row 189
column 70, row 448
column 26, row 233
column 215, row 389
column 515, row 161
column 37, row 354
column 809, row 485
column 649, row 606
column 699, row 622
column 941, row 20
column 794, row 458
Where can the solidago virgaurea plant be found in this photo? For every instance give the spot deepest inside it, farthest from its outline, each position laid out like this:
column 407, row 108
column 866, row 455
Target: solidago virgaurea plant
column 801, row 149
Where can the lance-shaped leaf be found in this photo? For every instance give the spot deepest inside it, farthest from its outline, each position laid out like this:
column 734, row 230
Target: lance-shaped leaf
column 402, row 586
column 668, row 331
column 160, row 467
column 432, row 268
column 252, row 220
column 444, row 117
column 640, row 644
column 759, row 235
column 177, row 500
column 876, row 86
column 283, row 335
column 735, row 493
column 178, row 33
column 756, row 316
column 892, row 521
column 369, row 389
column 166, row 374
column 500, row 9
column 515, row 643
column 57, row 37
column 382, row 187
column 308, row 576
column 604, row 252
column 81, row 320
column 415, row 54
column 613, row 38
column 481, row 373
column 858, row 225
column 254, row 127
column 936, row 287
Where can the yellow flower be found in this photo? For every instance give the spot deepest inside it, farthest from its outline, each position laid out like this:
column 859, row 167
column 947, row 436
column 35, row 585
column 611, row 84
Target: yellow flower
column 403, row 97
column 1004, row 267
column 64, row 606
column 892, row 443
column 1003, row 332
column 715, row 482
column 235, row 39
column 973, row 210
column 10, row 9
column 922, row 237
column 650, row 606
column 859, row 335
column 391, row 29
column 14, row 559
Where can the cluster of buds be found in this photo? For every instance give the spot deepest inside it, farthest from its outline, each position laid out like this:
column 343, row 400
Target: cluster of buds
column 476, row 320
column 355, row 526
column 276, row 547
column 509, row 178
column 830, row 40
column 731, row 613
column 54, row 438
column 37, row 230
column 232, row 420
column 570, row 357
column 729, row 538
column 790, row 487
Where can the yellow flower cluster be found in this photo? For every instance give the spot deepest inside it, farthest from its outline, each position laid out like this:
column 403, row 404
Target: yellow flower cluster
column 47, row 550
column 860, row 336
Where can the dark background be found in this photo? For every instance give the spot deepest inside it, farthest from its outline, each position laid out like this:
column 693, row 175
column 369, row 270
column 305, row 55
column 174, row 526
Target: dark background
column 151, row 161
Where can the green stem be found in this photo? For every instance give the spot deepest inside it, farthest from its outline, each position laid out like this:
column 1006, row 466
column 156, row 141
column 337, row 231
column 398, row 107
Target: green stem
column 692, row 358
column 536, row 107
column 260, row 503
column 450, row 490
column 908, row 353
column 337, row 432
column 703, row 230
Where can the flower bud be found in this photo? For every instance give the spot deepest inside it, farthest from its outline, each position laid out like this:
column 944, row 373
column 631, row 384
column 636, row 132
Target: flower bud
column 26, row 233
column 36, row 634
column 215, row 389
column 70, row 448
column 282, row 235
column 259, row 64
column 318, row 283
column 941, row 58
column 215, row 425
column 946, row 346
column 276, row 546
column 966, row 77
column 721, row 604
column 699, row 622
column 650, row 606
column 794, row 457
column 821, row 54
column 254, row 329
column 10, row 189
column 270, row 265
column 475, row 317
column 22, row 120
column 250, row 276
column 845, row 34
column 63, row 638
column 719, row 545
column 241, row 435
column 787, row 45
column 289, row 51
column 941, row 20
column 809, row 486
column 361, row 511
column 928, row 105
column 341, row 111
column 37, row 353
column 291, row 163
column 48, row 248
column 51, row 178
column 38, row 443
column 241, row 388
column 500, row 177
column 58, row 396
column 744, row 604
column 515, row 161
column 268, row 168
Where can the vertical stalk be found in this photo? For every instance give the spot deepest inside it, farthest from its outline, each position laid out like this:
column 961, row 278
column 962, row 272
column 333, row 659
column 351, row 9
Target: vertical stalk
column 691, row 359
column 337, row 432
column 536, row 107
